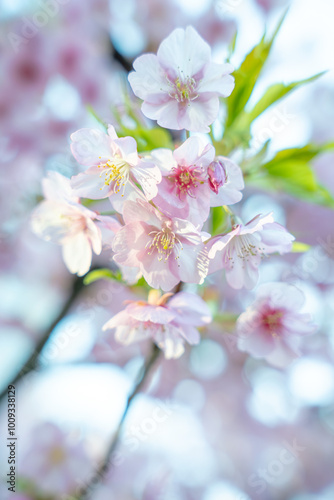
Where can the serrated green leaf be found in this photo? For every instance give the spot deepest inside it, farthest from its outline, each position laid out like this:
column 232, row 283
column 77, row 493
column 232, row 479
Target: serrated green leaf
column 247, row 75
column 290, row 171
column 274, row 94
column 99, row 274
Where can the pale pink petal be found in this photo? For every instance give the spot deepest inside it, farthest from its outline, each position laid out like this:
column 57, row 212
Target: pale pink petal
column 128, row 242
column 57, row 187
column 184, row 49
column 127, row 148
column 217, row 79
column 90, row 184
column 93, row 233
column 140, row 211
column 158, row 273
column 148, row 80
column 166, row 114
column 190, row 334
column 275, row 238
column 148, row 176
column 91, row 146
column 190, row 309
column 164, row 159
column 77, row 254
column 199, row 114
column 129, row 192
column 155, row 314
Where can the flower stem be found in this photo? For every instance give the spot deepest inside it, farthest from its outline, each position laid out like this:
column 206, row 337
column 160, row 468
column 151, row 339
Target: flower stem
column 231, row 214
column 106, row 464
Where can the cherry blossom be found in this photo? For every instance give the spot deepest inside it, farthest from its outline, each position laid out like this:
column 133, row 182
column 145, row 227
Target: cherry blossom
column 62, row 220
column 241, row 250
column 165, row 249
column 181, row 86
column 114, row 168
column 54, row 463
column 273, row 325
column 170, row 322
column 184, row 190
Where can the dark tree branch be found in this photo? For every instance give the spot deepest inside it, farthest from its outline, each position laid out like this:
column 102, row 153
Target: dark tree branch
column 31, row 363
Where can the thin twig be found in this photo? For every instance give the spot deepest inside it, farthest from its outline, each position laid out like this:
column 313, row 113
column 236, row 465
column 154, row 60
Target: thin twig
column 101, row 471
column 31, row 363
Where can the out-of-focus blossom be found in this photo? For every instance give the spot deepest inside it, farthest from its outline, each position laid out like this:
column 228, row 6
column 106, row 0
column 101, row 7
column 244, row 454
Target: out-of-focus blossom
column 273, row 325
column 180, row 86
column 184, row 190
column 61, row 219
column 240, row 251
column 54, row 464
column 115, row 167
column 165, row 249
column 168, row 324
column 225, row 181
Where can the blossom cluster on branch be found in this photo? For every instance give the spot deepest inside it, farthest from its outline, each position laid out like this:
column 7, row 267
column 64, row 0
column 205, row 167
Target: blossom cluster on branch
column 162, row 200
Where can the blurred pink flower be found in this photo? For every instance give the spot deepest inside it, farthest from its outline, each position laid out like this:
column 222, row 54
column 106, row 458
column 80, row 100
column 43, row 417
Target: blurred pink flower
column 272, row 326
column 184, row 190
column 168, row 324
column 115, row 168
column 240, row 251
column 180, row 86
column 61, row 219
column 165, row 249
column 54, row 464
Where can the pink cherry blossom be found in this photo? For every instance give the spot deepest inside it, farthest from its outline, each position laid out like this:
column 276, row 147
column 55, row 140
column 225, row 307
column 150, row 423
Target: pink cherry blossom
column 169, row 325
column 184, row 190
column 273, row 325
column 240, row 251
column 114, row 168
column 62, row 220
column 165, row 249
column 53, row 463
column 181, row 86
column 225, row 181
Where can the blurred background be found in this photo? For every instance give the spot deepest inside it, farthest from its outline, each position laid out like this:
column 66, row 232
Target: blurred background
column 215, row 424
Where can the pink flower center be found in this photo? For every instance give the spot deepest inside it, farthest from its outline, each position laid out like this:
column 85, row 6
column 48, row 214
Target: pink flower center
column 272, row 320
column 186, row 179
column 57, row 455
column 183, row 89
column 163, row 242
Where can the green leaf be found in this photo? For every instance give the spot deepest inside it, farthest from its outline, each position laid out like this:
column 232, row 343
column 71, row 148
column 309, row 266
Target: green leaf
column 231, row 47
column 99, row 274
column 290, row 171
column 92, row 112
column 148, row 139
column 299, row 247
column 275, row 93
column 219, row 220
column 247, row 75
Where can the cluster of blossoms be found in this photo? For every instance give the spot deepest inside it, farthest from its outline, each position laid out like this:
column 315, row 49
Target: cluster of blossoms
column 162, row 199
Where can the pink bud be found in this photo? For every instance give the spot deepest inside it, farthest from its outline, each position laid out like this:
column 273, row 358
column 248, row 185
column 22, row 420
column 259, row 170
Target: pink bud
column 217, row 175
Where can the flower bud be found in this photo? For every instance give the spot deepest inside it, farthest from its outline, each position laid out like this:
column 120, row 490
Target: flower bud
column 217, row 175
